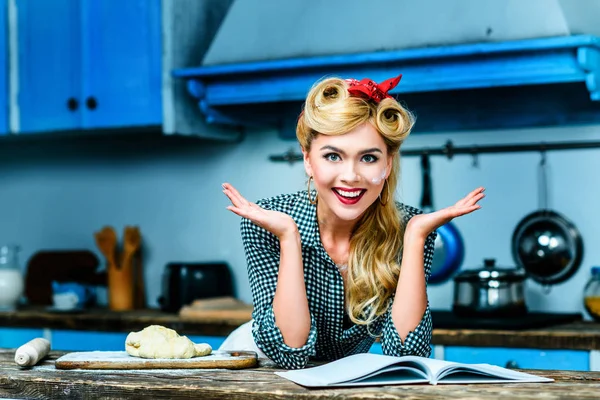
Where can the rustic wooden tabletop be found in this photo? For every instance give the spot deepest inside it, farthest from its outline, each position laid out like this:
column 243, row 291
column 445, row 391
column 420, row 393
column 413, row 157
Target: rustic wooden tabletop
column 45, row 382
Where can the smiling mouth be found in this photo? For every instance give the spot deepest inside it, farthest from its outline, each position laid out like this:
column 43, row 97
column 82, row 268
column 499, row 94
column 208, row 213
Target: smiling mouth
column 349, row 196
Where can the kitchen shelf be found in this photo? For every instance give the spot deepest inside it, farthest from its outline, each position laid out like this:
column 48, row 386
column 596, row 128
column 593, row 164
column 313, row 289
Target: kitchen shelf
column 237, row 94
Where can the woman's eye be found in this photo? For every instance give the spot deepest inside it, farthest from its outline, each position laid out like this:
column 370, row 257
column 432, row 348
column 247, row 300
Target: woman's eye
column 369, row 158
column 332, row 157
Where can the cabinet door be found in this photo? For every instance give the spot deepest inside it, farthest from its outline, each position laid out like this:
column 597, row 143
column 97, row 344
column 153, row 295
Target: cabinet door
column 68, row 340
column 122, row 63
column 213, row 341
column 4, row 70
column 11, row 338
column 573, row 360
column 49, row 81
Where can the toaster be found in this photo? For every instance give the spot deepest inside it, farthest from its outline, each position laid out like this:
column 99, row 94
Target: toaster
column 182, row 283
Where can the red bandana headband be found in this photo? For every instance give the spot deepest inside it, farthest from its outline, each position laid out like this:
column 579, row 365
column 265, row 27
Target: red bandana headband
column 368, row 89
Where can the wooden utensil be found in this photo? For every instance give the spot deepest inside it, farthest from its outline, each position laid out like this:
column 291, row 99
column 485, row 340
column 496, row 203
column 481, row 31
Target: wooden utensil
column 106, row 240
column 122, row 360
column 32, row 352
column 120, row 278
column 132, row 258
column 131, row 244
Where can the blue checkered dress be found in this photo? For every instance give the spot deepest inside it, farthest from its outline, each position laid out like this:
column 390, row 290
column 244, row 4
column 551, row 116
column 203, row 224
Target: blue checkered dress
column 328, row 340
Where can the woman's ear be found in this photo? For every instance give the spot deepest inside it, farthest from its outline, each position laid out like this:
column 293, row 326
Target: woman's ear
column 307, row 166
column 388, row 168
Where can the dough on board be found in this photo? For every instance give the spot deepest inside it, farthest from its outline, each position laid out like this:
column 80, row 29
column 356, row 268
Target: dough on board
column 156, row 341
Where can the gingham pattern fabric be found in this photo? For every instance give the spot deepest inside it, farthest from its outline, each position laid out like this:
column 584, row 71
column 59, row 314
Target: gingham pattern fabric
column 325, row 291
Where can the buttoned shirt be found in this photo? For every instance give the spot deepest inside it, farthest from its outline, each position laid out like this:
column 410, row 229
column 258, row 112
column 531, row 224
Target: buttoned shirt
column 328, row 339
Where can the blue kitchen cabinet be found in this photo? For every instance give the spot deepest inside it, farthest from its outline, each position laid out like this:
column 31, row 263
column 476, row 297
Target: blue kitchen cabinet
column 3, row 70
column 15, row 337
column 49, row 72
column 88, row 64
column 122, row 63
column 571, row 360
column 213, row 341
column 68, row 340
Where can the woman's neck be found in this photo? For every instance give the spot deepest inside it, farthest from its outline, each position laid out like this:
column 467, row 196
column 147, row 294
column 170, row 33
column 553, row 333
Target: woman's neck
column 332, row 229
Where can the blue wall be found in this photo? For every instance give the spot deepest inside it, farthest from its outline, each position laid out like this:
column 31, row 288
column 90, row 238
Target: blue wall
column 56, row 193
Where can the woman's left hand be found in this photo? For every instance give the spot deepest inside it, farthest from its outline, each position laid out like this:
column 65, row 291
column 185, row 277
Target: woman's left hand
column 423, row 224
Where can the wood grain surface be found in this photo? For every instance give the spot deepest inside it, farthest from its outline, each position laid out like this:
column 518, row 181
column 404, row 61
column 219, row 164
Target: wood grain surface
column 122, row 360
column 46, row 382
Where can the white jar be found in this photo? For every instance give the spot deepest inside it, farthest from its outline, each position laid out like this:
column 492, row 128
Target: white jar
column 11, row 278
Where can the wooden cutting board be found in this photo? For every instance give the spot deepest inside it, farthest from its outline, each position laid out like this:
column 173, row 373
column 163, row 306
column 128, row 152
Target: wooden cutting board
column 122, row 360
column 217, row 309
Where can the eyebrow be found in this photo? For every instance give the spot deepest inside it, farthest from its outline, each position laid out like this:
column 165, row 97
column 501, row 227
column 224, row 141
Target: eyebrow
column 332, row 148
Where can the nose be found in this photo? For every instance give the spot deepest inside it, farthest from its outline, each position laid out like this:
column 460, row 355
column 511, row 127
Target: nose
column 350, row 173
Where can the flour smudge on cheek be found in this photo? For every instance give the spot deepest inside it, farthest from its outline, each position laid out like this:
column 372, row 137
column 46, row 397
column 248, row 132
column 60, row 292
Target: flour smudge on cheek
column 377, row 180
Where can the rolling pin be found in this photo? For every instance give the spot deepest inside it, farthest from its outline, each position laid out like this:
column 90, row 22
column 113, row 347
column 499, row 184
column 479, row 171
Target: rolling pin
column 31, row 352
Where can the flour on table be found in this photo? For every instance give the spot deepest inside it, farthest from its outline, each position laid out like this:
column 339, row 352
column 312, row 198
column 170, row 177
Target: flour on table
column 156, row 341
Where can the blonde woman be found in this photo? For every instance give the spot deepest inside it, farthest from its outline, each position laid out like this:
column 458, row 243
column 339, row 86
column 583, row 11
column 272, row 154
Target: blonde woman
column 335, row 266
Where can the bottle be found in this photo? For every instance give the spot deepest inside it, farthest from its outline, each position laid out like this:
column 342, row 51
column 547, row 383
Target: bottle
column 591, row 294
column 11, row 278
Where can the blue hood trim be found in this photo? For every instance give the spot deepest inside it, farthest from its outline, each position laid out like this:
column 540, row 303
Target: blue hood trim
column 224, row 91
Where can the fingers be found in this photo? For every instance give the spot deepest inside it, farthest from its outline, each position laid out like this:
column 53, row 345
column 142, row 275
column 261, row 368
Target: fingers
column 473, row 197
column 236, row 198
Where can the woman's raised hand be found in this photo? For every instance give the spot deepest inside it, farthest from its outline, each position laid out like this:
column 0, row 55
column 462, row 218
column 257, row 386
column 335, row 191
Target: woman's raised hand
column 278, row 223
column 424, row 224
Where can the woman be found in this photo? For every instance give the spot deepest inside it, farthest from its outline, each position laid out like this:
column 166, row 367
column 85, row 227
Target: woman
column 334, row 267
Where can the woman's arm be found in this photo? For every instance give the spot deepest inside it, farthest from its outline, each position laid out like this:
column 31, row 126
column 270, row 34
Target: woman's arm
column 410, row 311
column 290, row 304
column 410, row 301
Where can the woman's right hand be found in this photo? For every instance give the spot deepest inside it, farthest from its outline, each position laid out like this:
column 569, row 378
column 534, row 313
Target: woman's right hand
column 278, row 223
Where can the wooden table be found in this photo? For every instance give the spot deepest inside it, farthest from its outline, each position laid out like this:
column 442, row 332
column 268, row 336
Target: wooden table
column 44, row 381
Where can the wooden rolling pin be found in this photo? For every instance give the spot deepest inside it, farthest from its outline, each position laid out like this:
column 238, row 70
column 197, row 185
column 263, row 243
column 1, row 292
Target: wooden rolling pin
column 31, row 352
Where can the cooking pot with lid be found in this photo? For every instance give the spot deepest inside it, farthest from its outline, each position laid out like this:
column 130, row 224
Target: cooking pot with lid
column 490, row 291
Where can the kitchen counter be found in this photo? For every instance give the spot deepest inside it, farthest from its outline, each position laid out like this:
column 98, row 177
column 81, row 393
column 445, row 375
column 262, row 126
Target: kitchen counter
column 44, row 381
column 123, row 321
column 581, row 335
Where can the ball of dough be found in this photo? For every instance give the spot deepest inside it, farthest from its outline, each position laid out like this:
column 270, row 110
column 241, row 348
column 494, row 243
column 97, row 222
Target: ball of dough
column 156, row 341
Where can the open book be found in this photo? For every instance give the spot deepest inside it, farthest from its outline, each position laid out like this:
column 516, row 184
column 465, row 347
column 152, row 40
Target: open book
column 370, row 369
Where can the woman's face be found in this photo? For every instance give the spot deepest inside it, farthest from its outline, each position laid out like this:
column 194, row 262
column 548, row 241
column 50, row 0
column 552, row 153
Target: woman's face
column 348, row 170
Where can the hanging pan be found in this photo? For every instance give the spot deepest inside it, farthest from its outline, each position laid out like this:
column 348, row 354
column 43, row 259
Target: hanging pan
column 449, row 246
column 545, row 243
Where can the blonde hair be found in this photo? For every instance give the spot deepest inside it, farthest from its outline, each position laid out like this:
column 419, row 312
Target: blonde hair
column 376, row 242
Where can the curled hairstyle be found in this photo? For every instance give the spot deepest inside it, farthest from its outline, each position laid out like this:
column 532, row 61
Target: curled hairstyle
column 376, row 242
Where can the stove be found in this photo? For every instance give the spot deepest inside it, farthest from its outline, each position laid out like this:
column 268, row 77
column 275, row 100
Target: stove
column 449, row 320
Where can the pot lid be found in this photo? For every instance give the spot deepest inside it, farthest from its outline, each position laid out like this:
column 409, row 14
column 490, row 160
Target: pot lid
column 491, row 272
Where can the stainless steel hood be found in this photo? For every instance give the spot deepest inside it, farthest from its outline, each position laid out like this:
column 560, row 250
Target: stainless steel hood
column 465, row 64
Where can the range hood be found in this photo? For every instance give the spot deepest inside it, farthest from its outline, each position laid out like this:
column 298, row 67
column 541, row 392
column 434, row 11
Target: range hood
column 465, row 65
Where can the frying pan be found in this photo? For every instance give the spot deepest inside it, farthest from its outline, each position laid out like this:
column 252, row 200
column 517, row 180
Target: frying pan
column 545, row 243
column 449, row 246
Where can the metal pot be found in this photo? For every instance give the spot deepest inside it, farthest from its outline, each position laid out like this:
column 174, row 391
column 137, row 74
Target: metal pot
column 490, row 291
column 548, row 246
column 545, row 243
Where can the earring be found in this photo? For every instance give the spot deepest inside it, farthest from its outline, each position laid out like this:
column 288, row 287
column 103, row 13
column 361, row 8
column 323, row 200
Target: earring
column 308, row 190
column 387, row 195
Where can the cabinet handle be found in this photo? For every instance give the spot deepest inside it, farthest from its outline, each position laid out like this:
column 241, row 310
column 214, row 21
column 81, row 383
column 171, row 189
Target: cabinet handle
column 72, row 104
column 91, row 103
column 512, row 364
